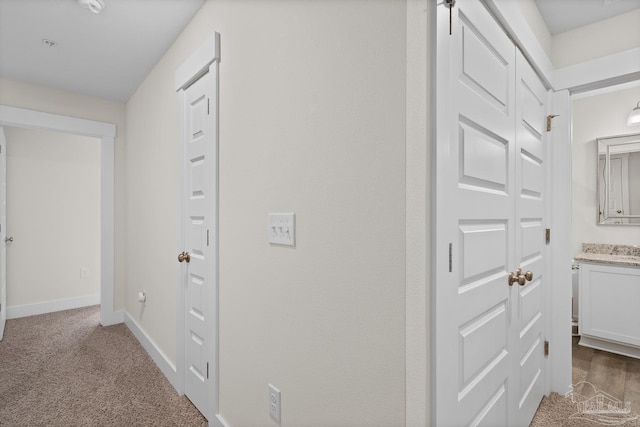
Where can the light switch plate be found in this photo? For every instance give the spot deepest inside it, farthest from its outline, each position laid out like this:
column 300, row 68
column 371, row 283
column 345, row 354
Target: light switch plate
column 281, row 229
column 274, row 403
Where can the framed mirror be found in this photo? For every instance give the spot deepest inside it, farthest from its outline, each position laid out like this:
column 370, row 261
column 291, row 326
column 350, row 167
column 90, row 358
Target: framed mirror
column 619, row 180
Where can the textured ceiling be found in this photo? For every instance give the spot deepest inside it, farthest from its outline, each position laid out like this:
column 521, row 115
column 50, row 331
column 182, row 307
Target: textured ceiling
column 106, row 55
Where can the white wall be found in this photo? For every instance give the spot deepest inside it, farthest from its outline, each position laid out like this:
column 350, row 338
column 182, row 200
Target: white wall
column 41, row 98
column 529, row 10
column 600, row 39
column 312, row 120
column 53, row 213
column 594, row 117
column 418, row 214
column 634, row 184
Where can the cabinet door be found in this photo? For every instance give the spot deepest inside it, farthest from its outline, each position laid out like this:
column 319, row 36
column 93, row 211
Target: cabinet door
column 609, row 301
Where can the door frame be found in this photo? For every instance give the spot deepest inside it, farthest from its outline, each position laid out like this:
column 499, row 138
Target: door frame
column 3, row 234
column 204, row 60
column 563, row 83
column 106, row 132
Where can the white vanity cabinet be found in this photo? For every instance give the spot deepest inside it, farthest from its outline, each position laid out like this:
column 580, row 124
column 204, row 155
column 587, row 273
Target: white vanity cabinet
column 610, row 308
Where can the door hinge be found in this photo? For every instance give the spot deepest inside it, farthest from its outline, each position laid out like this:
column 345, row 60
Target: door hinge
column 546, row 348
column 450, row 257
column 207, row 237
column 208, row 106
column 549, row 118
column 207, row 370
column 547, row 235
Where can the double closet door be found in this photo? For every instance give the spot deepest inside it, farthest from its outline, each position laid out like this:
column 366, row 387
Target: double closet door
column 490, row 216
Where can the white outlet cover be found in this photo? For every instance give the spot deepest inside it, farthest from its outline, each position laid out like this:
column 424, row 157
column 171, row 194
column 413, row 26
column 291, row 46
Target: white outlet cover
column 281, row 229
column 274, row 403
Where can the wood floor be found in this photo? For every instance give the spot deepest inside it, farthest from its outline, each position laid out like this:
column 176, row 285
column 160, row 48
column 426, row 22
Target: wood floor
column 611, row 373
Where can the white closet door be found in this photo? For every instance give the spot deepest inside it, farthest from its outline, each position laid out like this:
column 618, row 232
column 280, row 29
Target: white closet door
column 489, row 209
column 528, row 309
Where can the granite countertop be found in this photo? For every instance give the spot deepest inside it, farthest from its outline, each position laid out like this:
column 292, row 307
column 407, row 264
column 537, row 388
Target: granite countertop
column 624, row 255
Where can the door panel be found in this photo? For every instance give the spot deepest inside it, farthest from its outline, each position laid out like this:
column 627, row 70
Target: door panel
column 484, row 158
column 198, row 223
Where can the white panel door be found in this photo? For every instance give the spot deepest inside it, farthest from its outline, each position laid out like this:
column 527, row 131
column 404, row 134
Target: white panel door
column 3, row 231
column 475, row 222
column 199, row 171
column 528, row 331
column 484, row 173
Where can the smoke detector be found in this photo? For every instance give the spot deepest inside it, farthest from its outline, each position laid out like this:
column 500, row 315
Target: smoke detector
column 49, row 43
column 95, row 6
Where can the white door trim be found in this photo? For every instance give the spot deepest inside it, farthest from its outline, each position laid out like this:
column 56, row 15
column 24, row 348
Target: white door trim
column 602, row 72
column 198, row 63
column 31, row 119
column 204, row 60
column 3, row 232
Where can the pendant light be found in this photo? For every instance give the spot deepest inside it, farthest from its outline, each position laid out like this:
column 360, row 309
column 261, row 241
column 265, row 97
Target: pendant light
column 634, row 116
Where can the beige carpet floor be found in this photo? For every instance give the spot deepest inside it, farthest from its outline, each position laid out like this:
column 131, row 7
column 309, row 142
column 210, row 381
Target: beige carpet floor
column 64, row 369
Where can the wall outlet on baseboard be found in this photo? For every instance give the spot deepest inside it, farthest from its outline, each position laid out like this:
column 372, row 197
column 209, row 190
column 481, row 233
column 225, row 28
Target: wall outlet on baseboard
column 274, row 403
column 84, row 272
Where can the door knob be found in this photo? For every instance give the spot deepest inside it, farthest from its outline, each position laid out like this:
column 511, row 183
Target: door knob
column 526, row 276
column 520, row 277
column 184, row 256
column 516, row 278
column 8, row 239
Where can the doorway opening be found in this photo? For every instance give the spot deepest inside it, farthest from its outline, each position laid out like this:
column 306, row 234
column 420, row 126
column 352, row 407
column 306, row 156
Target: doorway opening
column 53, row 221
column 106, row 132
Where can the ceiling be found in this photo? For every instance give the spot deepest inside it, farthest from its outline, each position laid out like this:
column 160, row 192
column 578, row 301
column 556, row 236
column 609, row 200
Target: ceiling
column 565, row 15
column 109, row 54
column 106, row 55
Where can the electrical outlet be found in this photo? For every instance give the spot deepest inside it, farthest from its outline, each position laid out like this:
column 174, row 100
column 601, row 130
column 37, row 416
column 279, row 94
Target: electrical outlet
column 274, row 403
column 84, row 273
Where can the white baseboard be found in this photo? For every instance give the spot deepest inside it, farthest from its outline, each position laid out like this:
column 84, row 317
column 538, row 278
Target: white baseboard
column 218, row 421
column 51, row 306
column 161, row 360
column 610, row 346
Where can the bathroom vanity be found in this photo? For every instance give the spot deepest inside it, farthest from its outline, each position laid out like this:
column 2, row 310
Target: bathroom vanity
column 610, row 298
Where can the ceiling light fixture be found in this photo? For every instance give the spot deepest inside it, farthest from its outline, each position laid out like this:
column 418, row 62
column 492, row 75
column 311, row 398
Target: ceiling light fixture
column 95, row 6
column 49, row 43
column 634, row 116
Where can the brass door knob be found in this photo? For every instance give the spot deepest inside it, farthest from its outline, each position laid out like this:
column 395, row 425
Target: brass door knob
column 524, row 277
column 520, row 277
column 516, row 278
column 184, row 256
